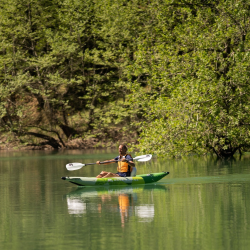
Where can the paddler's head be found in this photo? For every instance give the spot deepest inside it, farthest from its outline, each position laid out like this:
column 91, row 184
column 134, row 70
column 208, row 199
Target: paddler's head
column 123, row 149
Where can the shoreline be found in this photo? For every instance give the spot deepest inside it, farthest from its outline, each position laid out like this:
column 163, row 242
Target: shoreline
column 75, row 144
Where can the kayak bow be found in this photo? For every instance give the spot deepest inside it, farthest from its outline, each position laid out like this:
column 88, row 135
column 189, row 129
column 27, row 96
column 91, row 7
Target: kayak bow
column 114, row 181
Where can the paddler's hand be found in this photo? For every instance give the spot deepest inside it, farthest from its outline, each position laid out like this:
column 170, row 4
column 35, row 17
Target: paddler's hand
column 98, row 162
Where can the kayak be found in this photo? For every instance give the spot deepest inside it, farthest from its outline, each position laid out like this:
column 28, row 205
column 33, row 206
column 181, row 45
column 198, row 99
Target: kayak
column 116, row 181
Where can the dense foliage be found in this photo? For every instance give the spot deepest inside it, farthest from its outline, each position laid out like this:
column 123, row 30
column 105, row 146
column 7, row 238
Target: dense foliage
column 61, row 67
column 174, row 74
column 200, row 61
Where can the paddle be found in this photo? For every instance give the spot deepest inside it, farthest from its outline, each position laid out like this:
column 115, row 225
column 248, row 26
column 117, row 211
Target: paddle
column 76, row 165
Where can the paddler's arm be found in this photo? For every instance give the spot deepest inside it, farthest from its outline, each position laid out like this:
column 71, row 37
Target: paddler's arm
column 108, row 162
column 130, row 163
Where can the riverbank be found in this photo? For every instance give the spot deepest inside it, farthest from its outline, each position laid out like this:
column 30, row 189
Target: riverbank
column 16, row 143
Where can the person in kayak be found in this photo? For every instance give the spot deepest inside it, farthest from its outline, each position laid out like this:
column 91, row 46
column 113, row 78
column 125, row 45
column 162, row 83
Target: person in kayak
column 125, row 164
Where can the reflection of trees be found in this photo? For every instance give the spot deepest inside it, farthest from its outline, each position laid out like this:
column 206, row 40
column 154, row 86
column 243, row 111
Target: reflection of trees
column 206, row 214
column 27, row 202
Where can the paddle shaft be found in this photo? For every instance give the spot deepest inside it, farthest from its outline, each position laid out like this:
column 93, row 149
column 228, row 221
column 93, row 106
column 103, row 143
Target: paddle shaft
column 102, row 162
column 76, row 166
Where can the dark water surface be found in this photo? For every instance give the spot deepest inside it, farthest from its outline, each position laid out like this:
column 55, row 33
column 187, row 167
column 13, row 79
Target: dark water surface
column 202, row 204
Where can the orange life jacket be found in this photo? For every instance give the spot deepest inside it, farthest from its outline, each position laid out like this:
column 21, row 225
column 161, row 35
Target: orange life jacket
column 123, row 166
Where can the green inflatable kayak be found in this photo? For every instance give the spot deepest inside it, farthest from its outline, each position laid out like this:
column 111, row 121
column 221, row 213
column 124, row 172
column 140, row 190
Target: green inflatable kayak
column 116, row 181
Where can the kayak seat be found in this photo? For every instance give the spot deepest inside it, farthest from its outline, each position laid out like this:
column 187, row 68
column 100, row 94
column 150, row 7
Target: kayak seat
column 133, row 172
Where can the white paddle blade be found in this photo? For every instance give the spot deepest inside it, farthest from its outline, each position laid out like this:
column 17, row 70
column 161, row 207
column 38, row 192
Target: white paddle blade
column 74, row 166
column 144, row 159
column 141, row 157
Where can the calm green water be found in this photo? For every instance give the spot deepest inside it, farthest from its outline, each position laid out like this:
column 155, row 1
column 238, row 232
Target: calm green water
column 202, row 204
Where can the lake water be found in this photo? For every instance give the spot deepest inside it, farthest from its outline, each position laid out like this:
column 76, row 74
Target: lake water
column 202, row 204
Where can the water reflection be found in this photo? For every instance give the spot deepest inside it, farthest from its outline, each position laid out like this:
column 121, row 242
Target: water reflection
column 115, row 200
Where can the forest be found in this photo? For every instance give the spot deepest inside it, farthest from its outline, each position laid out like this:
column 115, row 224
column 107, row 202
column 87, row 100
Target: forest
column 167, row 77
